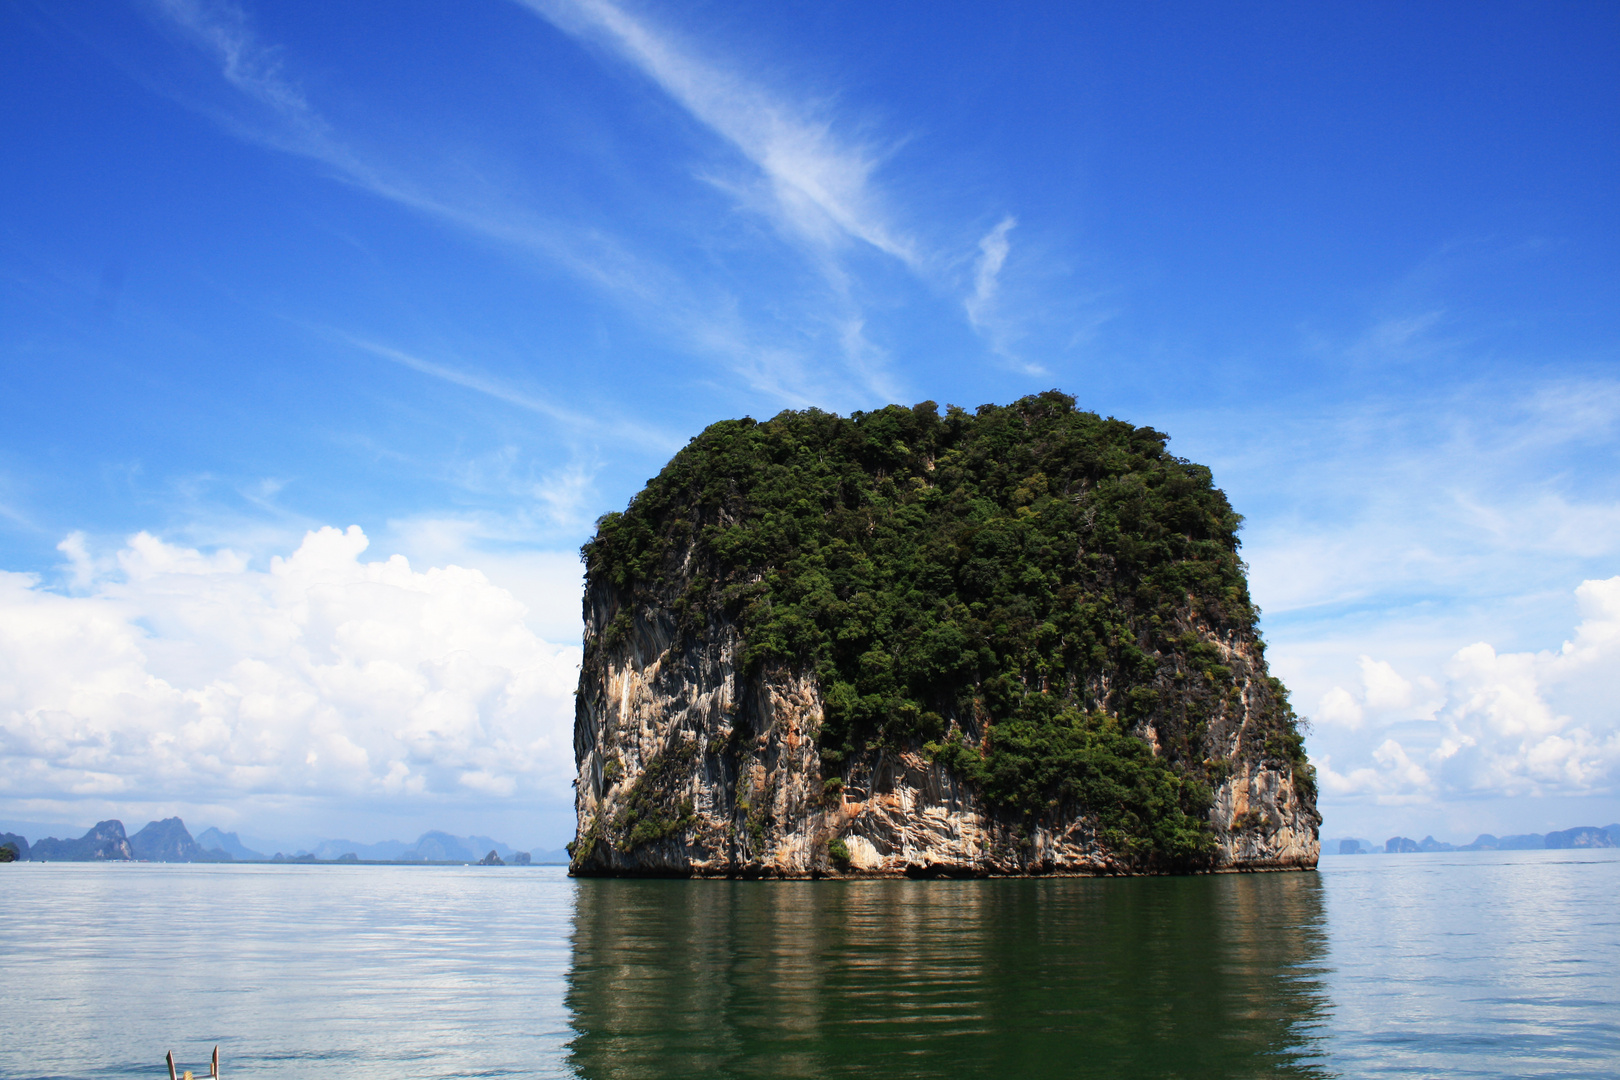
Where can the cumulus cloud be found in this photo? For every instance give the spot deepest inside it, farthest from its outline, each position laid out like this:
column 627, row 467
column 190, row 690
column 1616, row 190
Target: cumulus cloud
column 177, row 674
column 1382, row 686
column 1339, row 707
column 1502, row 724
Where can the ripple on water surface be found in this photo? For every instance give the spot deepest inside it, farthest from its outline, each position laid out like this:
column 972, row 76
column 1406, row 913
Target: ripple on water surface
column 1467, row 965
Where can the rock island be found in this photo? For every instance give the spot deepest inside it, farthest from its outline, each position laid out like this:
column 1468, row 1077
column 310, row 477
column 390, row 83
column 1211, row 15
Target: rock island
column 1016, row 641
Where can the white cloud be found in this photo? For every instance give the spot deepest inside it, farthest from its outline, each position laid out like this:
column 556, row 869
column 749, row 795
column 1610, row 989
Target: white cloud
column 819, row 183
column 81, row 567
column 640, row 434
column 993, row 251
column 223, row 30
column 1399, row 769
column 191, row 677
column 280, row 116
column 1382, row 686
column 549, row 584
column 483, row 384
column 1504, row 724
column 795, row 160
column 1483, row 492
column 815, row 186
column 984, row 312
column 1392, row 779
column 1339, row 707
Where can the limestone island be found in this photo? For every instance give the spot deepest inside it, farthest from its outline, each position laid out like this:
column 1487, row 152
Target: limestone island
column 1011, row 642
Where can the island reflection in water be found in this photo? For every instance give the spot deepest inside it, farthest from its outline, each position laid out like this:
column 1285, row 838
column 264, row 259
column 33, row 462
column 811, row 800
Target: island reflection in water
column 1208, row 976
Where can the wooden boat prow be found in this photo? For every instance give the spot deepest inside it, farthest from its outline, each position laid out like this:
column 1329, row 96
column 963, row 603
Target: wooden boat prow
column 213, row 1066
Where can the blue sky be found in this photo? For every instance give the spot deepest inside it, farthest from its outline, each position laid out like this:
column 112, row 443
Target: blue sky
column 464, row 275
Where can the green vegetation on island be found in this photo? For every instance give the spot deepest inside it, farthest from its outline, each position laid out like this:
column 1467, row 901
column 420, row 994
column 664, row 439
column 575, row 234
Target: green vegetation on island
column 1023, row 593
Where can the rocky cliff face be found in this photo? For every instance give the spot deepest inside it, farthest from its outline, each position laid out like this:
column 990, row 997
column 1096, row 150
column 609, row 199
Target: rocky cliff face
column 685, row 769
column 1010, row 644
column 106, row 842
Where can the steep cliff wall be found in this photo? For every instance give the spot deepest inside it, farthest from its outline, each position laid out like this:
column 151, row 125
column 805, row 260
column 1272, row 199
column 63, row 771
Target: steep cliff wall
column 728, row 726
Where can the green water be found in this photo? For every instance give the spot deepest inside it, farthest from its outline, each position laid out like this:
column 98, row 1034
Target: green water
column 1159, row 977
column 1502, row 964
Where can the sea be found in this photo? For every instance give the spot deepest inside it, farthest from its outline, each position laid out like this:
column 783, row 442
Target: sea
column 1476, row 964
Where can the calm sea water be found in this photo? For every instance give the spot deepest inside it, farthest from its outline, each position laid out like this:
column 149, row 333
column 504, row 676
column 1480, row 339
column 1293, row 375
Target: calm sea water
column 1479, row 964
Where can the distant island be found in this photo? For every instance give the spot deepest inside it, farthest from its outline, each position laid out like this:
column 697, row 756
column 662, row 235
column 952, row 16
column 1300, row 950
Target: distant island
column 1582, row 836
column 169, row 841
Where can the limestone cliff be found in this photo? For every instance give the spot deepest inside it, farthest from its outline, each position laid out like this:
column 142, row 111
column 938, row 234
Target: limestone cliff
column 167, row 841
column 105, row 842
column 879, row 682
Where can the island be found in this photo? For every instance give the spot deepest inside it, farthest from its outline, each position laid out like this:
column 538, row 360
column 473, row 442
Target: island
column 1010, row 642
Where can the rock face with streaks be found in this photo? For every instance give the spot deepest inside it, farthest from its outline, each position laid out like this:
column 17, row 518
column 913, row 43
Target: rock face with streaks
column 707, row 747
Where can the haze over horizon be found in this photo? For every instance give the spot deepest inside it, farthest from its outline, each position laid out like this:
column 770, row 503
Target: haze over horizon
column 329, row 331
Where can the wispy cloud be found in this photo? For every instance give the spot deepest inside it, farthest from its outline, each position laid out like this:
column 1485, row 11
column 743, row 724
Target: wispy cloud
column 1409, row 497
column 794, row 161
column 984, row 313
column 820, row 183
column 224, row 30
column 819, row 187
column 820, row 191
column 530, row 401
column 291, row 124
column 993, row 251
column 471, row 381
column 816, row 186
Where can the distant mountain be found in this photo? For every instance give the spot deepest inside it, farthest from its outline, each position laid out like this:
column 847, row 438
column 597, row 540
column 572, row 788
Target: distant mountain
column 17, row 845
column 168, row 841
column 211, row 839
column 433, row 846
column 383, row 851
column 104, row 843
column 437, row 846
column 1522, row 842
column 1584, row 836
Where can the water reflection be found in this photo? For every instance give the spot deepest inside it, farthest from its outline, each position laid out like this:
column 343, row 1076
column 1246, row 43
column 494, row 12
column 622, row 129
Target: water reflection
column 1213, row 976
